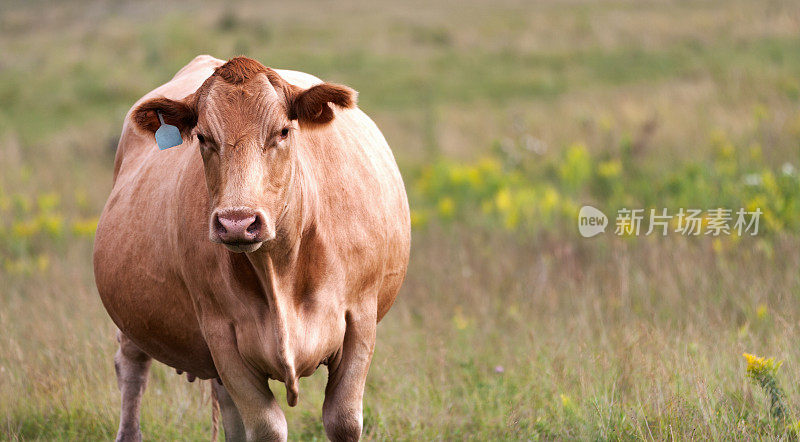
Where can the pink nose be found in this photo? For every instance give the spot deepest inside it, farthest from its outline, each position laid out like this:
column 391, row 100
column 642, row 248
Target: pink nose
column 239, row 226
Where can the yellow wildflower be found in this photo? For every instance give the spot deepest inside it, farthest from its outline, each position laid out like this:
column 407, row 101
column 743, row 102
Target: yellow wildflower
column 503, row 199
column 84, row 227
column 24, row 229
column 550, row 200
column 609, row 169
column 716, row 245
column 758, row 366
column 446, row 207
column 42, row 262
column 47, row 201
column 51, row 224
column 418, row 219
column 460, row 321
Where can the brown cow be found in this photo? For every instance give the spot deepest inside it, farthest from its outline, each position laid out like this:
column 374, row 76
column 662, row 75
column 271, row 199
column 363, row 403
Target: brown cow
column 309, row 233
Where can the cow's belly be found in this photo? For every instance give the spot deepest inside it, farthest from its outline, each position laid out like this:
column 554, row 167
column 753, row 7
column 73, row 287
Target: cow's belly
column 147, row 300
column 164, row 329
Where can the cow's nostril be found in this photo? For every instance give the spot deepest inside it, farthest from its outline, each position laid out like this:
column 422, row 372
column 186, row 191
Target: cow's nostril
column 255, row 227
column 218, row 227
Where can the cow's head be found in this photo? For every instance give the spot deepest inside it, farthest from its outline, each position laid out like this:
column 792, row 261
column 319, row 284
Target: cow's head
column 245, row 118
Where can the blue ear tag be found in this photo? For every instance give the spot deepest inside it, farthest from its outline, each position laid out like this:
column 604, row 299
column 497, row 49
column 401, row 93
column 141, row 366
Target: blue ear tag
column 167, row 135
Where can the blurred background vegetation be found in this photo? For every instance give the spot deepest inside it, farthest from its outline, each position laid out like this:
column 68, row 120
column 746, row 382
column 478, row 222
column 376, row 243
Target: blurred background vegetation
column 505, row 117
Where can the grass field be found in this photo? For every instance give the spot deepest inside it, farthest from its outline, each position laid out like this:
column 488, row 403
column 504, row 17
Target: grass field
column 507, row 327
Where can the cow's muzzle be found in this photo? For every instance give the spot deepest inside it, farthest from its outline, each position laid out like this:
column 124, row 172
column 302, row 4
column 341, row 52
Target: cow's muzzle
column 241, row 229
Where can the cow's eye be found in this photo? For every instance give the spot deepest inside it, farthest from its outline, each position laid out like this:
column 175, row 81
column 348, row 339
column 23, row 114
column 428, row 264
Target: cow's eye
column 284, row 133
column 201, row 138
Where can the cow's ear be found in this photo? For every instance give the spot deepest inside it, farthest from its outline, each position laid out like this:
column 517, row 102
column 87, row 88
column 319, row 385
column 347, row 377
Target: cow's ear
column 177, row 113
column 312, row 106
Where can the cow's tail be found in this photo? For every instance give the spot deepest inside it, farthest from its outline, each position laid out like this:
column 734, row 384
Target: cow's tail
column 214, row 413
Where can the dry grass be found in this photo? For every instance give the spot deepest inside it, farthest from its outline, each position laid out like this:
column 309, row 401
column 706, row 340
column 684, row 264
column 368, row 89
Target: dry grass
column 603, row 339
column 597, row 339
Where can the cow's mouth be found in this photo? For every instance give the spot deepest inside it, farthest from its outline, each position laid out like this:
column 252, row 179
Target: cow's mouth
column 243, row 247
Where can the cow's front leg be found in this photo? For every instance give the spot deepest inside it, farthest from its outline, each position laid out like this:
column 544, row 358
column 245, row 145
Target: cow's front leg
column 342, row 408
column 132, row 366
column 260, row 413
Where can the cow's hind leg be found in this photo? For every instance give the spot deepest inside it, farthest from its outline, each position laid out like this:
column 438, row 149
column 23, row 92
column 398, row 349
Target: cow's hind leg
column 132, row 366
column 231, row 419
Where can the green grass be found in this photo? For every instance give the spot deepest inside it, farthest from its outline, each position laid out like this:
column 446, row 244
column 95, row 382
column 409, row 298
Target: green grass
column 502, row 331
